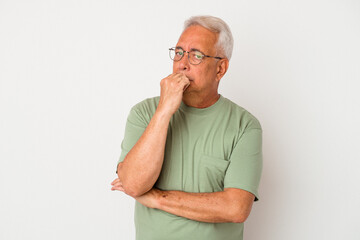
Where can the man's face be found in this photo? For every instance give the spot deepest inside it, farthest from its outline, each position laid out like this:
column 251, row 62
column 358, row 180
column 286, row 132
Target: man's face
column 203, row 77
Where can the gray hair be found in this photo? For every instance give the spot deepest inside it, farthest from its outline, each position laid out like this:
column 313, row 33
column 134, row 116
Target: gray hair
column 225, row 40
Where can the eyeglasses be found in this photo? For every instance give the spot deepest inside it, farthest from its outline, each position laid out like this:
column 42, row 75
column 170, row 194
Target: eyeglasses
column 195, row 57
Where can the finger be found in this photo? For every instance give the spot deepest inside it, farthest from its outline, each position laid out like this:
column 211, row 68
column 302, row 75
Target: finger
column 185, row 81
column 115, row 181
column 117, row 189
column 183, row 77
column 118, row 184
column 186, row 86
column 173, row 75
column 178, row 75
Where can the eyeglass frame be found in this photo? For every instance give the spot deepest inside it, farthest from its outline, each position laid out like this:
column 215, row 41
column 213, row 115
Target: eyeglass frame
column 194, row 50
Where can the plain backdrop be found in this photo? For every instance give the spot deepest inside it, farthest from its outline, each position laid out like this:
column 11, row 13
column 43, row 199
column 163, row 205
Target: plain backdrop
column 71, row 70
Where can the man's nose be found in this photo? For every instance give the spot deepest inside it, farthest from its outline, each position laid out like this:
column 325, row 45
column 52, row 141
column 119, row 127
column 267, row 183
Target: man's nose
column 184, row 62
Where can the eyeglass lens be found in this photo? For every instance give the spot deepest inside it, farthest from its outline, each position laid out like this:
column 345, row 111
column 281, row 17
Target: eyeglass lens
column 195, row 57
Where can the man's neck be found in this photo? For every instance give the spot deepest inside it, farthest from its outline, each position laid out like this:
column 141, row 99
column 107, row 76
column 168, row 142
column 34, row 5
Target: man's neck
column 195, row 101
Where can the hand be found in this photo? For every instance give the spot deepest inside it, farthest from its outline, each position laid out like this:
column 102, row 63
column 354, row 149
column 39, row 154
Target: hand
column 117, row 185
column 172, row 89
column 150, row 199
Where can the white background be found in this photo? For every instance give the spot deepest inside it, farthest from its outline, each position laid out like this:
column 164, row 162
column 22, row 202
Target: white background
column 71, row 70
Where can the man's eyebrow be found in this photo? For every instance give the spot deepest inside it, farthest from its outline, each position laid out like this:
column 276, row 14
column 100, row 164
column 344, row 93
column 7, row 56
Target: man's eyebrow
column 195, row 49
column 191, row 49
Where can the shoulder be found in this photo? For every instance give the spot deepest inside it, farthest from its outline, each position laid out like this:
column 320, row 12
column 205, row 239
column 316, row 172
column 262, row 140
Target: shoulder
column 147, row 105
column 145, row 109
column 245, row 119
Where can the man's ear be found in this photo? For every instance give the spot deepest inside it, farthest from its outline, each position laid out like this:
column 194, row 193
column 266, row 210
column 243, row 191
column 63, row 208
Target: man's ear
column 222, row 67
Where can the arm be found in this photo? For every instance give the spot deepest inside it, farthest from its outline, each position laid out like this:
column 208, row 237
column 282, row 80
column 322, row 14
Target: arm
column 142, row 165
column 230, row 205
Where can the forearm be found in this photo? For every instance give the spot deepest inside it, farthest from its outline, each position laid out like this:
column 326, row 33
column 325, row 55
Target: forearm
column 214, row 207
column 142, row 165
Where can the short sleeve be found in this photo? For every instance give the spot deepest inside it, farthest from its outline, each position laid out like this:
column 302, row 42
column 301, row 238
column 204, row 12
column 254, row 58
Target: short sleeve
column 245, row 165
column 135, row 127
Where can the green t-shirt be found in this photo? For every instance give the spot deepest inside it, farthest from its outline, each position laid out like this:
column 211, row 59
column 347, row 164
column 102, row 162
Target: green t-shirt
column 206, row 150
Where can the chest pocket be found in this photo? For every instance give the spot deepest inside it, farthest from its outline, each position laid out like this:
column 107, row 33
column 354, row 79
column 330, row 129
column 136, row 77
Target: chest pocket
column 211, row 174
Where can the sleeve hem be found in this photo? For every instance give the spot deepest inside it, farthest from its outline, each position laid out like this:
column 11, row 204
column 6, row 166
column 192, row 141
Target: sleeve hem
column 246, row 188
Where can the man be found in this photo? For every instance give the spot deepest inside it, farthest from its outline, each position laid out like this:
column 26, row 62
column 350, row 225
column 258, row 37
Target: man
column 191, row 158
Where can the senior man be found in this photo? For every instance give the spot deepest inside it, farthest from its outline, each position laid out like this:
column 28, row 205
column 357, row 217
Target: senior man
column 191, row 158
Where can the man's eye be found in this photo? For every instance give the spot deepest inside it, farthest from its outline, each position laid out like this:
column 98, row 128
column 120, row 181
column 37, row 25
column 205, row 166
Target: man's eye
column 198, row 55
column 180, row 53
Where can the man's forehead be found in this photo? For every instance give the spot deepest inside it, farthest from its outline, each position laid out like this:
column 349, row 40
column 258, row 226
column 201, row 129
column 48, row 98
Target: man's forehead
column 197, row 38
